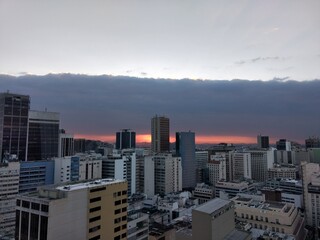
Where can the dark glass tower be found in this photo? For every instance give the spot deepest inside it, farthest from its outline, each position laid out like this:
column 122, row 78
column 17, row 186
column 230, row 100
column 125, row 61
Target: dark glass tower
column 43, row 139
column 263, row 141
column 14, row 110
column 125, row 139
column 160, row 134
column 185, row 148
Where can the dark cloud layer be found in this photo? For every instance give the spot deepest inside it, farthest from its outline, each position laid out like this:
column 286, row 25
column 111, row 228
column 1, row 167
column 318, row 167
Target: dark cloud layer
column 105, row 104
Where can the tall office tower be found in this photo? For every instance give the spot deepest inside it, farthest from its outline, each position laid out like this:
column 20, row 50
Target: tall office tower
column 313, row 142
column 162, row 174
column 263, row 141
column 79, row 145
column 202, row 160
column 185, row 148
column 43, row 135
column 283, row 144
column 241, row 166
column 9, row 188
column 34, row 174
column 14, row 109
column 160, row 134
column 121, row 166
column 89, row 210
column 125, row 139
column 66, row 144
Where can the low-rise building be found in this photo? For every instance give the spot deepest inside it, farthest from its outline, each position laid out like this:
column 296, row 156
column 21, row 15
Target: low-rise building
column 276, row 217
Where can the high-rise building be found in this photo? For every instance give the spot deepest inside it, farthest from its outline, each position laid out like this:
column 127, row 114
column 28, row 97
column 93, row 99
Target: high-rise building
column 162, row 174
column 9, row 188
column 79, row 145
column 216, row 169
column 263, row 141
column 125, row 139
column 241, row 166
column 90, row 210
column 14, row 110
column 283, row 144
column 43, row 136
column 202, row 160
column 66, row 144
column 121, row 166
column 160, row 134
column 185, row 148
column 313, row 142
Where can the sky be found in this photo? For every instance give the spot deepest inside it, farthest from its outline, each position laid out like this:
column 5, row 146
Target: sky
column 96, row 107
column 131, row 59
column 235, row 39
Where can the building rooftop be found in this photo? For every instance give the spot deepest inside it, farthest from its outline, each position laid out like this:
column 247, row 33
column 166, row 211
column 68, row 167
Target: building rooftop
column 213, row 205
column 91, row 184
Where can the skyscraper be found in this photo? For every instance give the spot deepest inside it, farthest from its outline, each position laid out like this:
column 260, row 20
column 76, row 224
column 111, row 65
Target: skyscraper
column 66, row 144
column 263, row 141
column 185, row 148
column 43, row 136
column 14, row 109
column 125, row 139
column 160, row 132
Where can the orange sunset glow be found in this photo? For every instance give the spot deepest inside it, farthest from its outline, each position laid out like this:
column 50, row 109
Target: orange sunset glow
column 200, row 139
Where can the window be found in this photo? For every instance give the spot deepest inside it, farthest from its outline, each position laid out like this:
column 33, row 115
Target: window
column 124, row 209
column 44, row 208
column 124, row 226
column 95, row 209
column 119, row 194
column 124, row 235
column 116, row 203
column 98, row 189
column 94, row 229
column 117, row 238
column 96, row 199
column 124, row 218
column 18, row 202
column 117, row 220
column 35, row 206
column 117, row 229
column 25, row 204
column 95, row 219
column 95, row 238
column 124, row 192
column 117, row 211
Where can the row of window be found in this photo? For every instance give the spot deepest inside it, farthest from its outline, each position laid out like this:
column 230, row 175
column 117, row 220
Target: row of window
column 34, row 206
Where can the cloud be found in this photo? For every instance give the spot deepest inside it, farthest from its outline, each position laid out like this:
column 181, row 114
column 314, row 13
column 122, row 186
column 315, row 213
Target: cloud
column 260, row 59
column 90, row 105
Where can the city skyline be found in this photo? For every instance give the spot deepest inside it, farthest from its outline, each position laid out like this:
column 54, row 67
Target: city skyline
column 96, row 107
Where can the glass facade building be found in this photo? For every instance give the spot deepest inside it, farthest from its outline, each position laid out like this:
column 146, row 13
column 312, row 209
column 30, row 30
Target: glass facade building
column 43, row 139
column 125, row 139
column 14, row 110
column 35, row 174
column 185, row 148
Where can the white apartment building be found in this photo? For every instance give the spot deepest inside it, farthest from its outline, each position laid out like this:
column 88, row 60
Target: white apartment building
column 163, row 174
column 121, row 166
column 9, row 188
column 217, row 169
column 241, row 166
